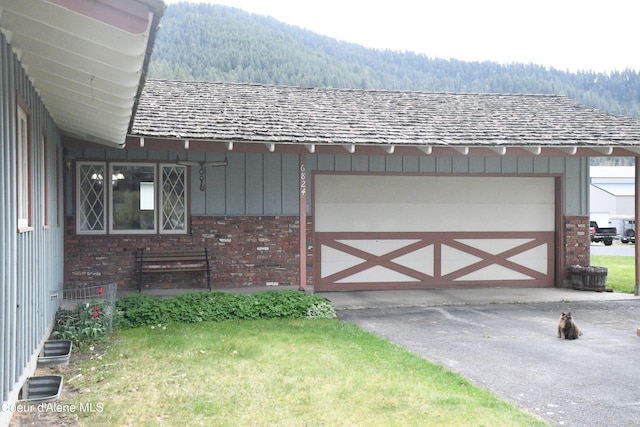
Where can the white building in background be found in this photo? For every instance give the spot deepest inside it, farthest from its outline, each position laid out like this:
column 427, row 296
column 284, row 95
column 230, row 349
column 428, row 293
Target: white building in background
column 611, row 192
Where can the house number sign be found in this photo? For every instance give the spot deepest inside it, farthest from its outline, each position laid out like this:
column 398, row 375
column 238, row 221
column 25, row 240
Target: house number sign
column 303, row 180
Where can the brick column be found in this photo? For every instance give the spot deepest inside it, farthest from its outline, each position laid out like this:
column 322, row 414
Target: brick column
column 577, row 246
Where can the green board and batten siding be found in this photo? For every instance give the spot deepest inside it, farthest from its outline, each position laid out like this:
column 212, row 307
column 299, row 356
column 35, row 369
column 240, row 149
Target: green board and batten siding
column 267, row 183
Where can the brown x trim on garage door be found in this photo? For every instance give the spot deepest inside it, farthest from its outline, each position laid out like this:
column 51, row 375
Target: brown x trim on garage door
column 433, row 260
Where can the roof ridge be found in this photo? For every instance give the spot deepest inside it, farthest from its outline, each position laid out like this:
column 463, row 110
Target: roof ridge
column 329, row 88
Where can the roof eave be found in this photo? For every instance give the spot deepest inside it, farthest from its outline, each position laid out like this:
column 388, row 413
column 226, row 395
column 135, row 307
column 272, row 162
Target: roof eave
column 86, row 59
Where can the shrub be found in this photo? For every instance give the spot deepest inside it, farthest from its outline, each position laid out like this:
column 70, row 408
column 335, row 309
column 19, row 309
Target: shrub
column 139, row 310
column 321, row 310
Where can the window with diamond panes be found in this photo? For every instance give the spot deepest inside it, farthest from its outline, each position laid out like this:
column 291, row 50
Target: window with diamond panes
column 174, row 199
column 91, row 216
column 131, row 198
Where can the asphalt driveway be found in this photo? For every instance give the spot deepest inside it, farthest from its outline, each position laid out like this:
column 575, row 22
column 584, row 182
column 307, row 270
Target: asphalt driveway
column 513, row 350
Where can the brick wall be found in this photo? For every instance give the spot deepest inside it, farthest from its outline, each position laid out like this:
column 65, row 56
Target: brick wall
column 576, row 241
column 246, row 251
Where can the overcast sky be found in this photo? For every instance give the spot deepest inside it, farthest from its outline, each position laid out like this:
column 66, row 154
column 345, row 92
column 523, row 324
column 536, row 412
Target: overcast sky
column 565, row 34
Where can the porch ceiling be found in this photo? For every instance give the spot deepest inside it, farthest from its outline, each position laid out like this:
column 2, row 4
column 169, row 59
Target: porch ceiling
column 87, row 59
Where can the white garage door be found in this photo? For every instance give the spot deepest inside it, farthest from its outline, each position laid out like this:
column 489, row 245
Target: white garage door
column 412, row 232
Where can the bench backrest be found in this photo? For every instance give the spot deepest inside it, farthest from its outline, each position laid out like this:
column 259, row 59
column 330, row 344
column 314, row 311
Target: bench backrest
column 143, row 256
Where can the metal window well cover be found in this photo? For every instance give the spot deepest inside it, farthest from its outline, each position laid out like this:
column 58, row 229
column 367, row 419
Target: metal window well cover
column 43, row 388
column 55, row 353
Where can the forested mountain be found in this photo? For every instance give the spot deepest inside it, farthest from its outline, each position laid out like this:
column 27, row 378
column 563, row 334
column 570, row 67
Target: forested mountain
column 206, row 42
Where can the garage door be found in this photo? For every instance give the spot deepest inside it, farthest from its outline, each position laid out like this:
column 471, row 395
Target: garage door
column 413, row 232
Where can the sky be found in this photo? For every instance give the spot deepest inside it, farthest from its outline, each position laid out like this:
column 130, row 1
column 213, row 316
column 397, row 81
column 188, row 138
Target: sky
column 569, row 35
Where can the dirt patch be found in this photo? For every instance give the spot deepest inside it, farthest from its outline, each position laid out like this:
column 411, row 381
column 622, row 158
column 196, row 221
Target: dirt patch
column 59, row 413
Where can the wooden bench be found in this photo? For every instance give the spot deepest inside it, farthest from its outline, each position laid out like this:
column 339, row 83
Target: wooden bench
column 172, row 261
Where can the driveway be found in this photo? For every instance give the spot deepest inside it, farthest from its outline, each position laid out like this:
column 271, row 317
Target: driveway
column 618, row 249
column 512, row 350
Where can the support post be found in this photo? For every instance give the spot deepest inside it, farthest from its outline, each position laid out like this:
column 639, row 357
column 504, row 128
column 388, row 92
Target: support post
column 303, row 222
column 636, row 211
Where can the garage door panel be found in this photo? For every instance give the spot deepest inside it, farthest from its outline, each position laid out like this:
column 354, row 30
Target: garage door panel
column 371, row 189
column 335, row 261
column 429, row 217
column 455, row 259
column 356, row 260
column 434, row 260
column 378, row 273
column 421, row 260
column 384, row 232
column 494, row 246
column 498, row 272
column 378, row 247
column 533, row 259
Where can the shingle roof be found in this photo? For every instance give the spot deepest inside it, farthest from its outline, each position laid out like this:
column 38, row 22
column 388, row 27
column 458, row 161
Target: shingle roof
column 283, row 114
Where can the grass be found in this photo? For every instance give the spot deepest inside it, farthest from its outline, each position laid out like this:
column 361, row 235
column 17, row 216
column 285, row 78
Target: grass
column 621, row 271
column 272, row 372
column 279, row 372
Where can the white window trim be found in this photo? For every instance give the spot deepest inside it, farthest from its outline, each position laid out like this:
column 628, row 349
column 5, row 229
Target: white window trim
column 44, row 158
column 24, row 171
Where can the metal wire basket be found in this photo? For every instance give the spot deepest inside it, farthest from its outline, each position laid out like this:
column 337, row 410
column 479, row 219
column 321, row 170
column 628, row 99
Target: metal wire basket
column 97, row 300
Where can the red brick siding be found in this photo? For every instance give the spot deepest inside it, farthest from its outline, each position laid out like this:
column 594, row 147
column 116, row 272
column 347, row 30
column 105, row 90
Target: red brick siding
column 246, row 251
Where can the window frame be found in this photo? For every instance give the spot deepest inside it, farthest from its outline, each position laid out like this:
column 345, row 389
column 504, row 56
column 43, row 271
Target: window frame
column 109, row 168
column 79, row 200
column 58, row 189
column 24, row 167
column 45, row 180
column 161, row 201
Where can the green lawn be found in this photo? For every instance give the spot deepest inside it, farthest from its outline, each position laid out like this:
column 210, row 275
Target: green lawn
column 279, row 372
column 621, row 271
column 300, row 372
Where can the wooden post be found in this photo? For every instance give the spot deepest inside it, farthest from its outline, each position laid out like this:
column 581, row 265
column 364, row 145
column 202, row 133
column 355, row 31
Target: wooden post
column 303, row 222
column 637, row 211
